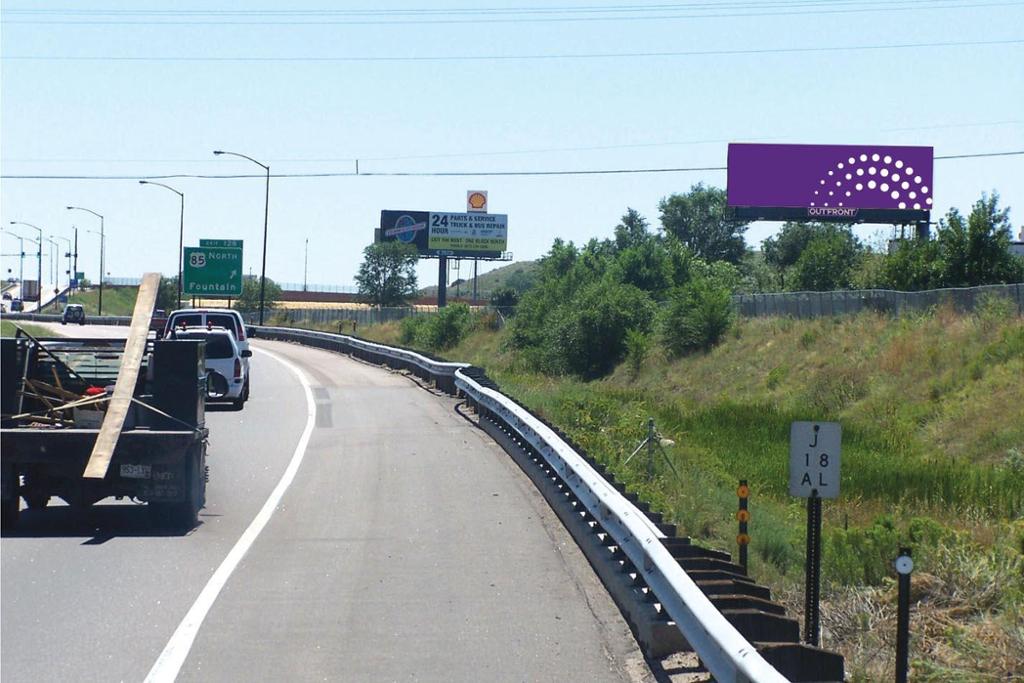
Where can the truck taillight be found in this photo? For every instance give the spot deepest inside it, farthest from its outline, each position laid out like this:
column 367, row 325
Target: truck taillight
column 241, row 333
column 238, row 369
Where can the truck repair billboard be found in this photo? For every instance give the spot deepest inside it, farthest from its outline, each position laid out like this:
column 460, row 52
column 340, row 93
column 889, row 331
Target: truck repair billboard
column 470, row 235
column 855, row 183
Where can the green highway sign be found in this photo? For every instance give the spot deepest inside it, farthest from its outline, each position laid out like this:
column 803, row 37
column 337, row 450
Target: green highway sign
column 213, row 271
column 234, row 244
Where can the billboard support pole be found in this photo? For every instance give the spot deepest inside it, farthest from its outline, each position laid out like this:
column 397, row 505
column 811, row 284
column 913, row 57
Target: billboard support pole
column 923, row 232
column 442, row 281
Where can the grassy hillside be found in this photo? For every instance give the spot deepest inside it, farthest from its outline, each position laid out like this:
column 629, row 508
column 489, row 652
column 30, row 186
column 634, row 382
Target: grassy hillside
column 932, row 409
column 116, row 300
column 7, row 329
column 513, row 275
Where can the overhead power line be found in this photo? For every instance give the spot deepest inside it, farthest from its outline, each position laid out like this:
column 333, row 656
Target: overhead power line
column 429, row 174
column 653, row 13
column 535, row 57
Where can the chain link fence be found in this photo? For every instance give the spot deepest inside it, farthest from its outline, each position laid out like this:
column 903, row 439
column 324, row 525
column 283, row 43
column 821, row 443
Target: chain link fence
column 821, row 304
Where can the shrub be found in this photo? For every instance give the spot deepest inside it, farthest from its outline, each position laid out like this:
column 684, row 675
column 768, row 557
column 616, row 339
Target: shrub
column 446, row 328
column 588, row 335
column 505, row 300
column 697, row 316
column 411, row 328
column 637, row 346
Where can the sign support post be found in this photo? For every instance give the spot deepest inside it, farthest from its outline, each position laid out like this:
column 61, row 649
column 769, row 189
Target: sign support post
column 442, row 281
column 812, row 597
column 904, row 565
column 814, row 458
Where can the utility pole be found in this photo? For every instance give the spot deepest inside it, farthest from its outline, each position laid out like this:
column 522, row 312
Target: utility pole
column 305, row 266
column 99, row 307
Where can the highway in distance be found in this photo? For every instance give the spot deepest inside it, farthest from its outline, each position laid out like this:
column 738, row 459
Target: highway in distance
column 408, row 546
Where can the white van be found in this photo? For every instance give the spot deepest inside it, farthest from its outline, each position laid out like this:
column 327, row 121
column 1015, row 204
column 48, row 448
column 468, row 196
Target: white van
column 231, row 320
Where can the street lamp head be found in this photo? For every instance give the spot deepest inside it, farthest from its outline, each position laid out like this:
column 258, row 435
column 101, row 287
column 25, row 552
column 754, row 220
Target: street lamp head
column 143, row 182
column 69, row 207
column 217, row 152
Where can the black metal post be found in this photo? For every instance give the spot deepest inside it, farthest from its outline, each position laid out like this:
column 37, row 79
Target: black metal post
column 812, row 621
column 103, row 245
column 75, row 267
column 475, row 262
column 743, row 516
column 181, row 246
column 442, row 281
column 263, row 274
column 903, row 616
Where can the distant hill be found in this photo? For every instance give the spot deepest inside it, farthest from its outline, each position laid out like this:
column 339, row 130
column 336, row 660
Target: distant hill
column 519, row 275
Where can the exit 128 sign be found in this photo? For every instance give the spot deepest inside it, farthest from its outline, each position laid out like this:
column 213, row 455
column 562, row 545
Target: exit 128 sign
column 814, row 459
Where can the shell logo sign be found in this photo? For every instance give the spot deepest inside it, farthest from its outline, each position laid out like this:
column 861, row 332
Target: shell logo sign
column 476, row 201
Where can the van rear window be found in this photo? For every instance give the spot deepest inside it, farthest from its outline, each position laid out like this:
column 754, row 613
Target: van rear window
column 217, row 345
column 226, row 321
column 190, row 320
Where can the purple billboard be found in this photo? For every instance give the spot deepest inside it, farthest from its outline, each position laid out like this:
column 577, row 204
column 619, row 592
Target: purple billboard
column 830, row 182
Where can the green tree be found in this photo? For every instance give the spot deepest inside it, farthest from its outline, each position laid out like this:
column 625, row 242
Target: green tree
column 631, row 230
column 699, row 219
column 697, row 316
column 784, row 249
column 505, row 300
column 249, row 301
column 977, row 251
column 387, row 275
column 913, row 265
column 587, row 335
column 645, row 265
column 827, row 263
column 167, row 295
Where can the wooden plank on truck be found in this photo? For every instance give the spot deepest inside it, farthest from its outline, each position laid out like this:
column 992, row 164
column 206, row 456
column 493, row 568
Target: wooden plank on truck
column 127, row 377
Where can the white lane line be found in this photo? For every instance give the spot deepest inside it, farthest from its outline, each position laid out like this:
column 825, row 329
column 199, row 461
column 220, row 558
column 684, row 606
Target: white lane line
column 173, row 656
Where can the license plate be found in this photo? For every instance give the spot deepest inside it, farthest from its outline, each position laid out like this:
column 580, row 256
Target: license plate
column 136, row 471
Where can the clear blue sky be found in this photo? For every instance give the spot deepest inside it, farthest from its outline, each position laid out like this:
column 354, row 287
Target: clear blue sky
column 148, row 117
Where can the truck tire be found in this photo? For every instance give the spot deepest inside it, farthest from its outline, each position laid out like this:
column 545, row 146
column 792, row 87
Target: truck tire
column 9, row 509
column 9, row 514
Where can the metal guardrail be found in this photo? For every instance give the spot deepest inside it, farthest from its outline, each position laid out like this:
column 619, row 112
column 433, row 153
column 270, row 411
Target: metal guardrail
column 726, row 654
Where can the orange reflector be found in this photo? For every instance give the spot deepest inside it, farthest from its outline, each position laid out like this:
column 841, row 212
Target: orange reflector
column 743, row 491
column 743, row 515
column 743, row 539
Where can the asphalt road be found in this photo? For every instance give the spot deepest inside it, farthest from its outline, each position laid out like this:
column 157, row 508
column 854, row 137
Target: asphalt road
column 407, row 547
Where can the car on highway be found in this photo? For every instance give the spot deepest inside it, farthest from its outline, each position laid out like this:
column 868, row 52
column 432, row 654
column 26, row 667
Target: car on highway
column 7, row 296
column 218, row 317
column 17, row 305
column 73, row 313
column 226, row 366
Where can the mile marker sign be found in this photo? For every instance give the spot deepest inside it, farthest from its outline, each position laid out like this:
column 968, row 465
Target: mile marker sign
column 814, row 459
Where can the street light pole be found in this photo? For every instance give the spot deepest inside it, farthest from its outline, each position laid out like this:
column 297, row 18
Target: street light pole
column 68, row 255
column 266, row 216
column 53, row 255
column 74, row 268
column 305, row 265
column 21, row 262
column 181, row 231
column 99, row 307
column 39, row 255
